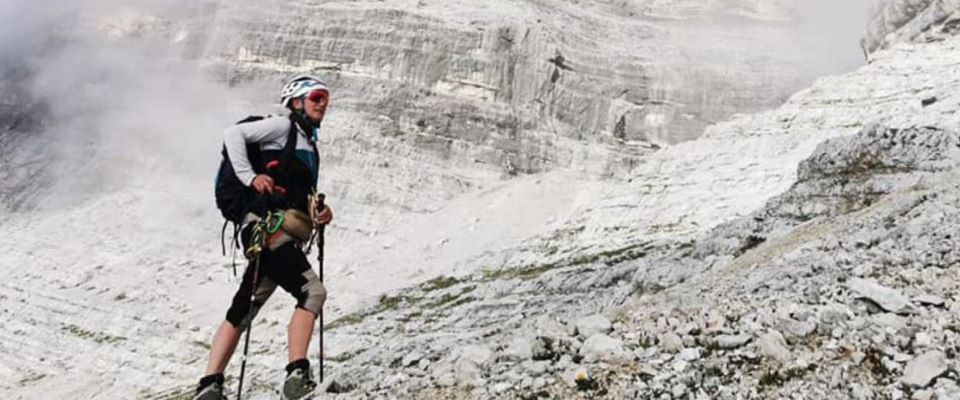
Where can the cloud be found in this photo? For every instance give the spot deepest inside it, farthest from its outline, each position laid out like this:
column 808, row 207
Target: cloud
column 115, row 103
column 831, row 31
column 772, row 48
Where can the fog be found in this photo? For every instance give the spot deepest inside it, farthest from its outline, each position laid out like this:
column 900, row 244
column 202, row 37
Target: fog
column 785, row 40
column 830, row 32
column 113, row 111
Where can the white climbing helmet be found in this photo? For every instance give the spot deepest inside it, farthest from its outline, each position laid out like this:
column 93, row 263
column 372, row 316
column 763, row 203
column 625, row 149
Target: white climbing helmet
column 300, row 86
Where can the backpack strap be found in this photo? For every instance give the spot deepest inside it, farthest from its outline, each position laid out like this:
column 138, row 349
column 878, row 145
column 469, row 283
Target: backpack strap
column 316, row 163
column 290, row 148
column 287, row 155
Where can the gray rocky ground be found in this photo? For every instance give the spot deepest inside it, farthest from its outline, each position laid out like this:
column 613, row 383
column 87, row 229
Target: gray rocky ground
column 805, row 252
column 851, row 297
column 843, row 286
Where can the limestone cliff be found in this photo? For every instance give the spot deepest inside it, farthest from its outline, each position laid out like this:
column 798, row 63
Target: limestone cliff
column 898, row 21
column 459, row 99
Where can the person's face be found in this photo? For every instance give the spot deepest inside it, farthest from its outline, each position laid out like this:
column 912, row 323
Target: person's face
column 315, row 104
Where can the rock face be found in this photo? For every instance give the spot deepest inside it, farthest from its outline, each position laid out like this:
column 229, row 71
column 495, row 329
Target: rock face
column 18, row 123
column 897, row 21
column 458, row 101
column 489, row 91
column 492, row 77
column 468, row 97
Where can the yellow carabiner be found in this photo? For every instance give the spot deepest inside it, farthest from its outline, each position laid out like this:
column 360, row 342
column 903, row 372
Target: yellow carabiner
column 256, row 240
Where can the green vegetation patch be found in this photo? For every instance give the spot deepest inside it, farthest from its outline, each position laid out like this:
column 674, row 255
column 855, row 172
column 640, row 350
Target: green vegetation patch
column 524, row 272
column 386, row 303
column 98, row 337
column 31, row 378
column 448, row 298
column 671, row 227
column 344, row 357
column 409, row 317
column 566, row 232
column 392, row 302
column 441, row 282
column 462, row 301
column 346, row 320
column 178, row 393
column 608, row 257
column 627, row 253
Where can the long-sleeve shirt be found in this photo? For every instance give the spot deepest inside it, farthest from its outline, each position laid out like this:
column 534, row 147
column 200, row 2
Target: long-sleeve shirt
column 271, row 134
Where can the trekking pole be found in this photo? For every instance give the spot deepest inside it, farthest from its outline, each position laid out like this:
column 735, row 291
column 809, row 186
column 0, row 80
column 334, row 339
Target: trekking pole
column 320, row 206
column 256, row 245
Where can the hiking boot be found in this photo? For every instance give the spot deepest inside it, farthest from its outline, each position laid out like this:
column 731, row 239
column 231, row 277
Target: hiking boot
column 299, row 383
column 210, row 388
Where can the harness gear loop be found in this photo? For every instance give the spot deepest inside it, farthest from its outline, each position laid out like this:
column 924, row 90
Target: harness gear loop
column 257, row 238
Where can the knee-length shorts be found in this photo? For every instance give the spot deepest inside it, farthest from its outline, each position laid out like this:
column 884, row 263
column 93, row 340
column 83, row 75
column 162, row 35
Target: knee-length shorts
column 286, row 267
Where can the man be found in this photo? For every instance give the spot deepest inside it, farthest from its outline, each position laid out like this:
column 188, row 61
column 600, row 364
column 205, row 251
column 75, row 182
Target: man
column 259, row 156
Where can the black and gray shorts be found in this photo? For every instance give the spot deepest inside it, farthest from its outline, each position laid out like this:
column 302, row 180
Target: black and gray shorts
column 286, row 267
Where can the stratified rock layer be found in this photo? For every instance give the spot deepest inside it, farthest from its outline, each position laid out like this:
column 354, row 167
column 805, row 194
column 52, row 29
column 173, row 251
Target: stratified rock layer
column 431, row 104
column 899, row 21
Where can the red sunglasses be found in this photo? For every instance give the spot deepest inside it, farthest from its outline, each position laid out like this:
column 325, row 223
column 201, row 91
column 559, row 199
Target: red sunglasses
column 318, row 96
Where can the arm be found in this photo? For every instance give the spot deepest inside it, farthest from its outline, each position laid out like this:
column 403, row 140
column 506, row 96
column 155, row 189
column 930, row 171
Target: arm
column 236, row 137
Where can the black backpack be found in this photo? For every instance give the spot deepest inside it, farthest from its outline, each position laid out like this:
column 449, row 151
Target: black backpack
column 235, row 199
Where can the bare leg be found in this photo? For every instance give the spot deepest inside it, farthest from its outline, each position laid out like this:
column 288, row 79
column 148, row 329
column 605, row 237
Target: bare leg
column 224, row 343
column 299, row 332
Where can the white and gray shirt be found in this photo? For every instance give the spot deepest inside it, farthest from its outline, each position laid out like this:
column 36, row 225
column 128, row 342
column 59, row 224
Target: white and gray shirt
column 271, row 133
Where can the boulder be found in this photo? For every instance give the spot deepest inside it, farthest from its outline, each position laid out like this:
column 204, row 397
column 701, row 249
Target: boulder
column 773, row 345
column 471, row 361
column 519, row 348
column 689, row 354
column 670, row 342
column 886, row 298
column 729, row 342
column 542, row 349
column 594, row 324
column 794, row 330
column 411, row 359
column 601, row 347
column 923, row 369
column 929, row 300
